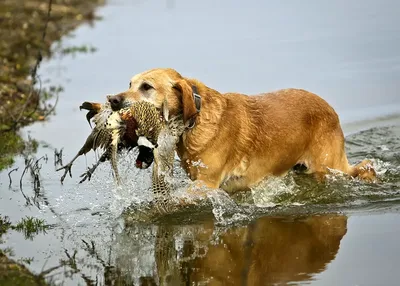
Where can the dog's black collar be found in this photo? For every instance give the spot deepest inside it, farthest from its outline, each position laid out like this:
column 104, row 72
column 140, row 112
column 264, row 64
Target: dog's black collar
column 197, row 103
column 197, row 98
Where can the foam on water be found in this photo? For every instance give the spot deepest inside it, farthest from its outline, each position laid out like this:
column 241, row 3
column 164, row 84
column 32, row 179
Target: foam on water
column 265, row 192
column 136, row 184
column 226, row 211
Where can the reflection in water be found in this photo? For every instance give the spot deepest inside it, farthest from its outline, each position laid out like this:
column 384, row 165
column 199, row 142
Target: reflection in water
column 266, row 251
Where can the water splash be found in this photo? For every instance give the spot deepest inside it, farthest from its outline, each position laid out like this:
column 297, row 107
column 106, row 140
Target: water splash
column 136, row 183
column 291, row 190
column 266, row 192
column 226, row 211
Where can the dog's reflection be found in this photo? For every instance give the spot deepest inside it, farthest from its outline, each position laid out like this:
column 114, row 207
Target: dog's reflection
column 270, row 250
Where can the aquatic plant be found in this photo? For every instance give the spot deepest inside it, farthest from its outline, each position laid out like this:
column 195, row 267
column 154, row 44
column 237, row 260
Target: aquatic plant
column 31, row 226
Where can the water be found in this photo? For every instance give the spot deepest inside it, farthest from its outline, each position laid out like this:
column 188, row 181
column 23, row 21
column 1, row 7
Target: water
column 291, row 229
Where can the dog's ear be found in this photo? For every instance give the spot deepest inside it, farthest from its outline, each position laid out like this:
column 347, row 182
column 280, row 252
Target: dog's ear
column 188, row 104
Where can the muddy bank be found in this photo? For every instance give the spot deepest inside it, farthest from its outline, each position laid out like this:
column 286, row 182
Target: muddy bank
column 14, row 272
column 29, row 29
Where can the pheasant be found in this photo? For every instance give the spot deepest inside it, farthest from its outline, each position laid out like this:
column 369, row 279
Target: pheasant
column 100, row 137
column 141, row 124
column 141, row 121
column 159, row 134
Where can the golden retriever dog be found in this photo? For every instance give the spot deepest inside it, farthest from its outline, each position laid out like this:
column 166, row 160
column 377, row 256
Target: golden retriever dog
column 234, row 141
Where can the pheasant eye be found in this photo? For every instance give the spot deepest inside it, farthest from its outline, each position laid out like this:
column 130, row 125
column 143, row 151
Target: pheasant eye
column 145, row 86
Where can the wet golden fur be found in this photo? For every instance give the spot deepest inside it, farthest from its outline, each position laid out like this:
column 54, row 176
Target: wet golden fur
column 243, row 139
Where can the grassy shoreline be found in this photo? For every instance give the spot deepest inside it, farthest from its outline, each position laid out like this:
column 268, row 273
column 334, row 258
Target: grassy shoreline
column 23, row 23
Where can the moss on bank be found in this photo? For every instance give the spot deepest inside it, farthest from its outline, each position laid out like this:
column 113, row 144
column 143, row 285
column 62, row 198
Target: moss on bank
column 22, row 26
column 10, row 144
column 14, row 272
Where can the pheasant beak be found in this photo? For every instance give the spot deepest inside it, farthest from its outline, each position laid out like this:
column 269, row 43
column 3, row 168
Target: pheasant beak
column 87, row 105
column 93, row 109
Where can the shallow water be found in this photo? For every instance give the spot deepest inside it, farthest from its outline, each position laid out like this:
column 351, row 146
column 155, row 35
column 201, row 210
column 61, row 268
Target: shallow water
column 290, row 229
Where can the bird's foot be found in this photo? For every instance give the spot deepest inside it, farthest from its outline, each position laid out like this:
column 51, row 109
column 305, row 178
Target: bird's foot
column 67, row 169
column 87, row 175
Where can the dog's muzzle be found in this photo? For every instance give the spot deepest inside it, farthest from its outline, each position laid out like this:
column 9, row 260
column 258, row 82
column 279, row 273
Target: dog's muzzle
column 116, row 101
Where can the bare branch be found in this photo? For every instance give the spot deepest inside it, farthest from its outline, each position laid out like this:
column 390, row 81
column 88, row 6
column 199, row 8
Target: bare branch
column 58, row 157
column 34, row 75
column 27, row 164
column 9, row 176
column 52, row 109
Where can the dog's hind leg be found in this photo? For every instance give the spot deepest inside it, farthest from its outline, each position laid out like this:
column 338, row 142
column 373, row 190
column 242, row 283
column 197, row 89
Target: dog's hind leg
column 328, row 154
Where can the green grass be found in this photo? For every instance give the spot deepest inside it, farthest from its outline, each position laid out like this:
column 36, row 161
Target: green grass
column 30, row 227
column 22, row 101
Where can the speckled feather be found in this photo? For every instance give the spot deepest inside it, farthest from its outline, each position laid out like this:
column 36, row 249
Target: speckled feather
column 143, row 117
column 148, row 118
column 164, row 136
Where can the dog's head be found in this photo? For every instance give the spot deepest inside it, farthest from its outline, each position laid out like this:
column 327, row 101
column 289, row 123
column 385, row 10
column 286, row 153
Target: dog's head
column 165, row 88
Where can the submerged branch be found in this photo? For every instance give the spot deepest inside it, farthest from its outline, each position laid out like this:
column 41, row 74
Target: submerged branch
column 9, row 176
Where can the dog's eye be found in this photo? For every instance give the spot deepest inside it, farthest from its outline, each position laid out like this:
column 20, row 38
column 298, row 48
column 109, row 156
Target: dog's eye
column 145, row 86
column 130, row 84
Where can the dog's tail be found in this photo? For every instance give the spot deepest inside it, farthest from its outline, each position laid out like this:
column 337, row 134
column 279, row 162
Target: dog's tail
column 364, row 171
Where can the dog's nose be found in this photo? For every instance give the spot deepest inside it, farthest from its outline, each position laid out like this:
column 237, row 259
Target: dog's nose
column 115, row 101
